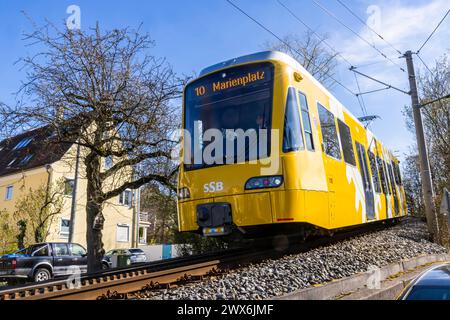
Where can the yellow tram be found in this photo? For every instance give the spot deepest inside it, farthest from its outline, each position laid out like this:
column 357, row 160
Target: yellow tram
column 296, row 159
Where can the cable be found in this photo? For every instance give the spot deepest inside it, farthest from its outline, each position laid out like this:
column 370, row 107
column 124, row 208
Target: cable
column 369, row 64
column 357, row 34
column 429, row 37
column 359, row 96
column 313, row 32
column 373, row 91
column 423, row 62
column 379, row 81
column 284, row 42
column 364, row 23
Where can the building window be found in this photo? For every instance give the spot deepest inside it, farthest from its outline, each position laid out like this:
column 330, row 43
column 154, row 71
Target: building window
column 306, row 122
column 64, row 228
column 23, row 143
column 143, row 235
column 329, row 134
column 125, row 198
column 69, row 185
column 293, row 137
column 347, row 143
column 109, row 162
column 9, row 192
column 123, row 233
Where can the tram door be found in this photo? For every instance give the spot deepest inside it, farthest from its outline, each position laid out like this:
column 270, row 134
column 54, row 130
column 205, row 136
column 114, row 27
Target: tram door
column 367, row 183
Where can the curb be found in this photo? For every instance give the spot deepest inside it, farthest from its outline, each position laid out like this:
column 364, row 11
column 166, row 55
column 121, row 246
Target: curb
column 343, row 286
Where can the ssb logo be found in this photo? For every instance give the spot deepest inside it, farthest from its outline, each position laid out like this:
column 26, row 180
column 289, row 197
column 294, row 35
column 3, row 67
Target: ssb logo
column 213, row 187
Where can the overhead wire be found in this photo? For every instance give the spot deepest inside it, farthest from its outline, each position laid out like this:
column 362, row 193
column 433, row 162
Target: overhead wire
column 434, row 31
column 359, row 97
column 423, row 62
column 357, row 34
column 312, row 31
column 370, row 28
column 285, row 43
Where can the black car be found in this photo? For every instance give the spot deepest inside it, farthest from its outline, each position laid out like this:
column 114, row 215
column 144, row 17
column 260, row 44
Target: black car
column 434, row 284
column 43, row 261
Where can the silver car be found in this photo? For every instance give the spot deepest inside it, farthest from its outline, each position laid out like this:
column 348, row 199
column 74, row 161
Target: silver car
column 136, row 256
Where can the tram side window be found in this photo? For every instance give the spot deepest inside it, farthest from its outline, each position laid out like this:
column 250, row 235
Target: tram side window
column 306, row 122
column 398, row 176
column 382, row 176
column 388, row 179
column 330, row 139
column 391, row 176
column 293, row 137
column 347, row 143
column 375, row 175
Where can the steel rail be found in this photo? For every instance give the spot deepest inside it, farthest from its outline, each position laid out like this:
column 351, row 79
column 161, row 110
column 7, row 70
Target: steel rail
column 120, row 282
column 111, row 278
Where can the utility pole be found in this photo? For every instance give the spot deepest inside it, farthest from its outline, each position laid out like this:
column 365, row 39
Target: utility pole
column 73, row 209
column 425, row 173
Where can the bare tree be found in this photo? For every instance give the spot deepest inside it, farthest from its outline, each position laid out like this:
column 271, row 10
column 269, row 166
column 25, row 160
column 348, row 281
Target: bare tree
column 310, row 51
column 105, row 92
column 7, row 233
column 433, row 84
column 161, row 202
column 37, row 210
column 436, row 119
column 412, row 185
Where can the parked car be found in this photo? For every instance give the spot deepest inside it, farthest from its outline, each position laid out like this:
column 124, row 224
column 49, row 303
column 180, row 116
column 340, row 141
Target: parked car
column 136, row 256
column 43, row 261
column 433, row 284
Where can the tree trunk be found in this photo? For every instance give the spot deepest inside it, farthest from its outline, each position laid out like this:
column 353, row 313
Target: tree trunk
column 94, row 236
column 94, row 215
column 39, row 234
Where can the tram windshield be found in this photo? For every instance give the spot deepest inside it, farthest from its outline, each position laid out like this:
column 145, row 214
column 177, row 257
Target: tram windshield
column 227, row 106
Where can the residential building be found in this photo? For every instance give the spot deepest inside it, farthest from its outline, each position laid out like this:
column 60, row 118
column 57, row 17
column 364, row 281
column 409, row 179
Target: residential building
column 33, row 159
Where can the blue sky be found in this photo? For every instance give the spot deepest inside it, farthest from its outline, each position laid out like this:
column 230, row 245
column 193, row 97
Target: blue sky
column 195, row 34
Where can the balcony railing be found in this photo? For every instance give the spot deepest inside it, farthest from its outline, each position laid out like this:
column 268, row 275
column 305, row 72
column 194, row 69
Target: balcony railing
column 144, row 217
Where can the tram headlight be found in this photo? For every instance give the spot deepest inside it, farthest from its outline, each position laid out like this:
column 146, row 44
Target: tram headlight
column 264, row 182
column 184, row 193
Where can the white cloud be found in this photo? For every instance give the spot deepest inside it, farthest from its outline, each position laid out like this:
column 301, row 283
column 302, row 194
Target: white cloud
column 405, row 25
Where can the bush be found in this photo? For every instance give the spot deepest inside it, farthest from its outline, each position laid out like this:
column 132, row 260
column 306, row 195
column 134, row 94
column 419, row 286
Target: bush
column 191, row 243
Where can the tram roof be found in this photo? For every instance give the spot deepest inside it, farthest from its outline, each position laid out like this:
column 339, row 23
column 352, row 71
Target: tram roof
column 273, row 55
column 283, row 57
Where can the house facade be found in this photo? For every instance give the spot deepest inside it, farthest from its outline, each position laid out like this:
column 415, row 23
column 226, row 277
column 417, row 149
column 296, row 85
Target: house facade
column 30, row 160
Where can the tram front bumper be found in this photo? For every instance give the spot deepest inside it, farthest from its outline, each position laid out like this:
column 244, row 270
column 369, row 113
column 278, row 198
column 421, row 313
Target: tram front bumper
column 214, row 219
column 241, row 210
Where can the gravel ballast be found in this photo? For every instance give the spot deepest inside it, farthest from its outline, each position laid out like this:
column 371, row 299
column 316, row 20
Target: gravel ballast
column 293, row 272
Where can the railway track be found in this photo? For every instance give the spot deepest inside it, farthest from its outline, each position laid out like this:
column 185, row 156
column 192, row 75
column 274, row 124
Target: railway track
column 120, row 283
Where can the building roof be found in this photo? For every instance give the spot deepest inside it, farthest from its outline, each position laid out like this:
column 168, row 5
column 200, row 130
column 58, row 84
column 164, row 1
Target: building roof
column 30, row 150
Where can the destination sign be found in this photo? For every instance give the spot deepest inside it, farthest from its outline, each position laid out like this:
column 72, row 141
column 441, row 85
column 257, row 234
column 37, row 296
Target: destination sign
column 240, row 81
column 230, row 80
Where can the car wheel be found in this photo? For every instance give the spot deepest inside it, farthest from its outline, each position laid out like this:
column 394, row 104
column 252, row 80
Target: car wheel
column 105, row 266
column 42, row 275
